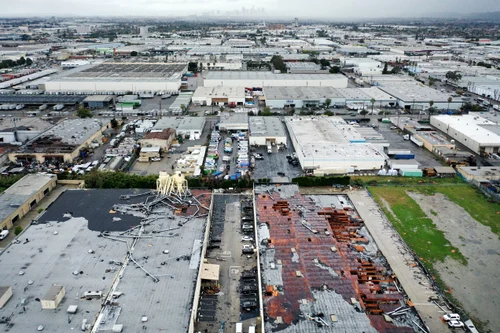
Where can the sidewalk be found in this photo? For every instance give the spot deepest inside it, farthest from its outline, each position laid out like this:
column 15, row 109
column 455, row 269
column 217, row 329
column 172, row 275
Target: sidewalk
column 26, row 220
column 413, row 280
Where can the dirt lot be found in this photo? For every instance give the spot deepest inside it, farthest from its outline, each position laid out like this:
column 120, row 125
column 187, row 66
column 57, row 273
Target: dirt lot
column 476, row 285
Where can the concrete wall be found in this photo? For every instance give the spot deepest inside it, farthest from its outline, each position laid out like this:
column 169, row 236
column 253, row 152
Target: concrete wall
column 261, row 140
column 25, row 207
column 7, row 137
column 334, row 83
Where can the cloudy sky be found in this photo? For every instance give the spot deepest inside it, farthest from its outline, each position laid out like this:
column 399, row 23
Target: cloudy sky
column 336, row 9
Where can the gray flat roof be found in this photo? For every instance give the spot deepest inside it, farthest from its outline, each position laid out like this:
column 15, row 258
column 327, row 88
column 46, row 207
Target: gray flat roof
column 247, row 75
column 304, row 93
column 266, row 127
column 20, row 192
column 131, row 70
column 76, row 131
column 181, row 123
column 49, row 258
column 414, row 92
column 98, row 98
column 233, row 118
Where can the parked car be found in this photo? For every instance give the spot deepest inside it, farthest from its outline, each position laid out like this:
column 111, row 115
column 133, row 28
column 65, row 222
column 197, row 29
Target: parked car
column 281, row 173
column 451, row 316
column 4, row 234
column 246, row 239
column 455, row 324
column 156, row 159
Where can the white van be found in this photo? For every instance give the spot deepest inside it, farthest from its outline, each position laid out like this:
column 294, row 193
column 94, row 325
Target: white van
column 4, row 234
column 239, row 327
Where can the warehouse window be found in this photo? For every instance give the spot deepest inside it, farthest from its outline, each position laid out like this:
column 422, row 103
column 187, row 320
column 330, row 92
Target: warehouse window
column 15, row 219
column 46, row 191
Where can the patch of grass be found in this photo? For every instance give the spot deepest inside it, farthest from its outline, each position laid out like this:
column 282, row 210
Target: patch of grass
column 403, row 181
column 471, row 200
column 434, row 213
column 414, row 226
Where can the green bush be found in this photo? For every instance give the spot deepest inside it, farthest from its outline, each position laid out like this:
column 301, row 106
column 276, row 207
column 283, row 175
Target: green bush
column 41, row 209
column 18, row 230
column 321, row 181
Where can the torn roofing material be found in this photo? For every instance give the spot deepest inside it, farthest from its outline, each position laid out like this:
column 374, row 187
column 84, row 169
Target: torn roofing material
column 320, row 254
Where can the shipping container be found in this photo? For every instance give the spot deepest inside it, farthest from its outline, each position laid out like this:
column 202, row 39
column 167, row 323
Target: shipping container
column 404, row 156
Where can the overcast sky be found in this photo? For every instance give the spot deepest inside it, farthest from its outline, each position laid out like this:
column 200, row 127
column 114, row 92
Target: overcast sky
column 336, row 9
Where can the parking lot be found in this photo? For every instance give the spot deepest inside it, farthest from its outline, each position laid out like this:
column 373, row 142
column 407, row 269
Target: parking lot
column 169, row 159
column 395, row 138
column 235, row 297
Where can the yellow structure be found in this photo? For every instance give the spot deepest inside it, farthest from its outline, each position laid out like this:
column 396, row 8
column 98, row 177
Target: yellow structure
column 172, row 184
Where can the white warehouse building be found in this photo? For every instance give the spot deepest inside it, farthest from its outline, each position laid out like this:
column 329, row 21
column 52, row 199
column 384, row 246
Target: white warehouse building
column 264, row 79
column 328, row 145
column 219, row 95
column 480, row 135
column 266, row 129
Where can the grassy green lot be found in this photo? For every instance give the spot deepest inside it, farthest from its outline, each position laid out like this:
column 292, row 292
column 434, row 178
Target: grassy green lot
column 414, row 226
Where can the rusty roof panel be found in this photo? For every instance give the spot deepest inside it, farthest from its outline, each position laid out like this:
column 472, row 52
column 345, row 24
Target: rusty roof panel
column 321, row 250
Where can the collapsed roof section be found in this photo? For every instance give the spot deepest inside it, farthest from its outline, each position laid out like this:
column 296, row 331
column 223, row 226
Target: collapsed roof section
column 321, row 268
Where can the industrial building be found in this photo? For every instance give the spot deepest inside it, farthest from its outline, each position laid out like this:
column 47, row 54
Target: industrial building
column 301, row 96
column 233, row 121
column 98, row 101
column 62, row 142
column 432, row 140
column 19, row 130
column 478, row 134
column 119, row 76
column 21, row 197
column 416, row 96
column 158, row 138
column 265, row 79
column 219, row 96
column 84, row 268
column 484, row 173
column 328, row 145
column 265, row 130
column 189, row 127
column 321, row 269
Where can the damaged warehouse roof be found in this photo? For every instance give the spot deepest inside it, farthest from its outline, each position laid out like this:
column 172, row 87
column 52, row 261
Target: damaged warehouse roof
column 149, row 285
column 322, row 271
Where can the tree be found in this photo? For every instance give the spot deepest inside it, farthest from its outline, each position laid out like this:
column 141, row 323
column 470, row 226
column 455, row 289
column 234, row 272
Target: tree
column 84, row 113
column 133, row 54
column 328, row 101
column 328, row 113
column 364, row 113
column 324, row 63
column 334, row 70
column 18, row 230
column 278, row 63
column 267, row 111
column 193, row 66
column 395, row 70
column 21, row 61
column 114, row 123
column 183, row 108
column 29, row 62
column 431, row 109
column 373, row 103
column 454, row 76
column 449, row 101
column 385, row 71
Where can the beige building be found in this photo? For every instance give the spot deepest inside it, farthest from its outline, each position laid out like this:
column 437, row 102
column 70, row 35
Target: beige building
column 53, row 297
column 5, row 295
column 147, row 153
column 21, row 197
column 159, row 138
column 62, row 142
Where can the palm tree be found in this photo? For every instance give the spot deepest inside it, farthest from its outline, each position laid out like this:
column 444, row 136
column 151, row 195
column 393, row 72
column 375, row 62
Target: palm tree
column 449, row 101
column 431, row 109
column 373, row 103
